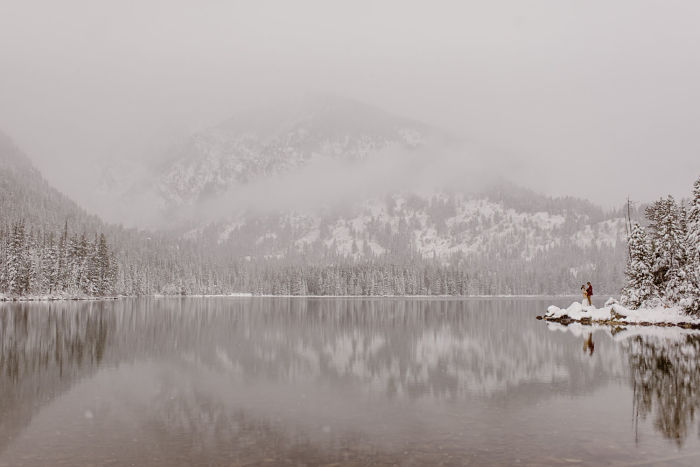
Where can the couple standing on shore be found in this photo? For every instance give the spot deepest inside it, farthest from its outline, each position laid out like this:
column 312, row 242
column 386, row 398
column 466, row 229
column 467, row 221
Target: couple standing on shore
column 586, row 292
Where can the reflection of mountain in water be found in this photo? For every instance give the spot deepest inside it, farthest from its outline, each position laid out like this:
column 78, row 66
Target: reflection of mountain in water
column 224, row 367
column 408, row 347
column 665, row 375
column 390, row 348
column 254, row 378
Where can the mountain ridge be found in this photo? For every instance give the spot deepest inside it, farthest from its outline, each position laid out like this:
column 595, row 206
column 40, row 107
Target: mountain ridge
column 273, row 141
column 500, row 233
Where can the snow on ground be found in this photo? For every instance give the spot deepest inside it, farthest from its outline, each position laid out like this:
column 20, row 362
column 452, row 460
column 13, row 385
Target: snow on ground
column 576, row 311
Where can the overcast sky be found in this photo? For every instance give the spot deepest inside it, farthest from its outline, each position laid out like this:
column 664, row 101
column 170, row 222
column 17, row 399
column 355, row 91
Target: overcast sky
column 599, row 99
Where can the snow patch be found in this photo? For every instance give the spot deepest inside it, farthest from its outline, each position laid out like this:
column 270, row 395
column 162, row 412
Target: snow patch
column 577, row 311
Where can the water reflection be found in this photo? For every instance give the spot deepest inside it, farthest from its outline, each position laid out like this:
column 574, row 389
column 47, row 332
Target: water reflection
column 665, row 375
column 663, row 366
column 588, row 344
column 43, row 351
column 209, row 381
column 400, row 348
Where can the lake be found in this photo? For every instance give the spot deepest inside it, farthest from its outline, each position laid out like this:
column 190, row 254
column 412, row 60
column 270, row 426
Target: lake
column 339, row 381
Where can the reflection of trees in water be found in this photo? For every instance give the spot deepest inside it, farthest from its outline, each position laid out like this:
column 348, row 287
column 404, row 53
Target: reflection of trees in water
column 33, row 340
column 44, row 349
column 665, row 375
column 406, row 348
column 394, row 348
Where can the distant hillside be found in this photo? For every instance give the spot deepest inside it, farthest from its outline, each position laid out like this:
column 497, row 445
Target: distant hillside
column 469, row 238
column 276, row 140
column 25, row 193
column 33, row 216
column 564, row 243
column 442, row 226
column 231, row 186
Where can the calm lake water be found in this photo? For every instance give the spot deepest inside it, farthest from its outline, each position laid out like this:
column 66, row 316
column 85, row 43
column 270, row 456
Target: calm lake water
column 248, row 381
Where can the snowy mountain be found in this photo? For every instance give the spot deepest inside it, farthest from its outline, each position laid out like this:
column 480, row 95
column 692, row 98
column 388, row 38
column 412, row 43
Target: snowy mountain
column 440, row 226
column 280, row 139
column 329, row 197
column 313, row 183
column 557, row 243
column 25, row 193
column 46, row 240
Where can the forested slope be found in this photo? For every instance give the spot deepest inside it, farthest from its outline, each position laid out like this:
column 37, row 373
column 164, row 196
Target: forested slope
column 501, row 241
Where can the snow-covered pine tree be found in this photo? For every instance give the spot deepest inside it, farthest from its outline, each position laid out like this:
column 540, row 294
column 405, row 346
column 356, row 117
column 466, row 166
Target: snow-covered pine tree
column 103, row 266
column 16, row 279
column 84, row 256
column 72, row 279
column 4, row 240
column 691, row 302
column 31, row 262
column 36, row 283
column 640, row 285
column 62, row 264
column 51, row 264
column 676, row 287
column 92, row 270
column 667, row 221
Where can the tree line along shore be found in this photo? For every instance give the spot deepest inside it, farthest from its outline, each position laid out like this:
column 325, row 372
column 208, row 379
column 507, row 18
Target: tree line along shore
column 662, row 275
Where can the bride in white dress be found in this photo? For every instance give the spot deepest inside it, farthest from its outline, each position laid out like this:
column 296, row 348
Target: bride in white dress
column 584, row 293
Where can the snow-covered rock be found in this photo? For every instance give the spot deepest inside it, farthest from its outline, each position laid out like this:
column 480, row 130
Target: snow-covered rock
column 619, row 313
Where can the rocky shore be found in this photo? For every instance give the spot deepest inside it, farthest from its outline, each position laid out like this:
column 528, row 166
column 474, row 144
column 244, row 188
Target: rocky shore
column 614, row 314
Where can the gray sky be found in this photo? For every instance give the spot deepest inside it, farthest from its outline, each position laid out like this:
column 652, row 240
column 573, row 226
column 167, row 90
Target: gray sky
column 598, row 99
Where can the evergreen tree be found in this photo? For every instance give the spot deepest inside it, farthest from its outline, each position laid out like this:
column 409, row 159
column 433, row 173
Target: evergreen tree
column 51, row 265
column 667, row 222
column 692, row 243
column 103, row 266
column 16, row 279
column 32, row 263
column 62, row 273
column 36, row 281
column 640, row 285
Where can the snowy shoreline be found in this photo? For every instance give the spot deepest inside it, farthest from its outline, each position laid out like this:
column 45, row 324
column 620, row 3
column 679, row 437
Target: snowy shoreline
column 617, row 315
column 52, row 298
column 250, row 295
